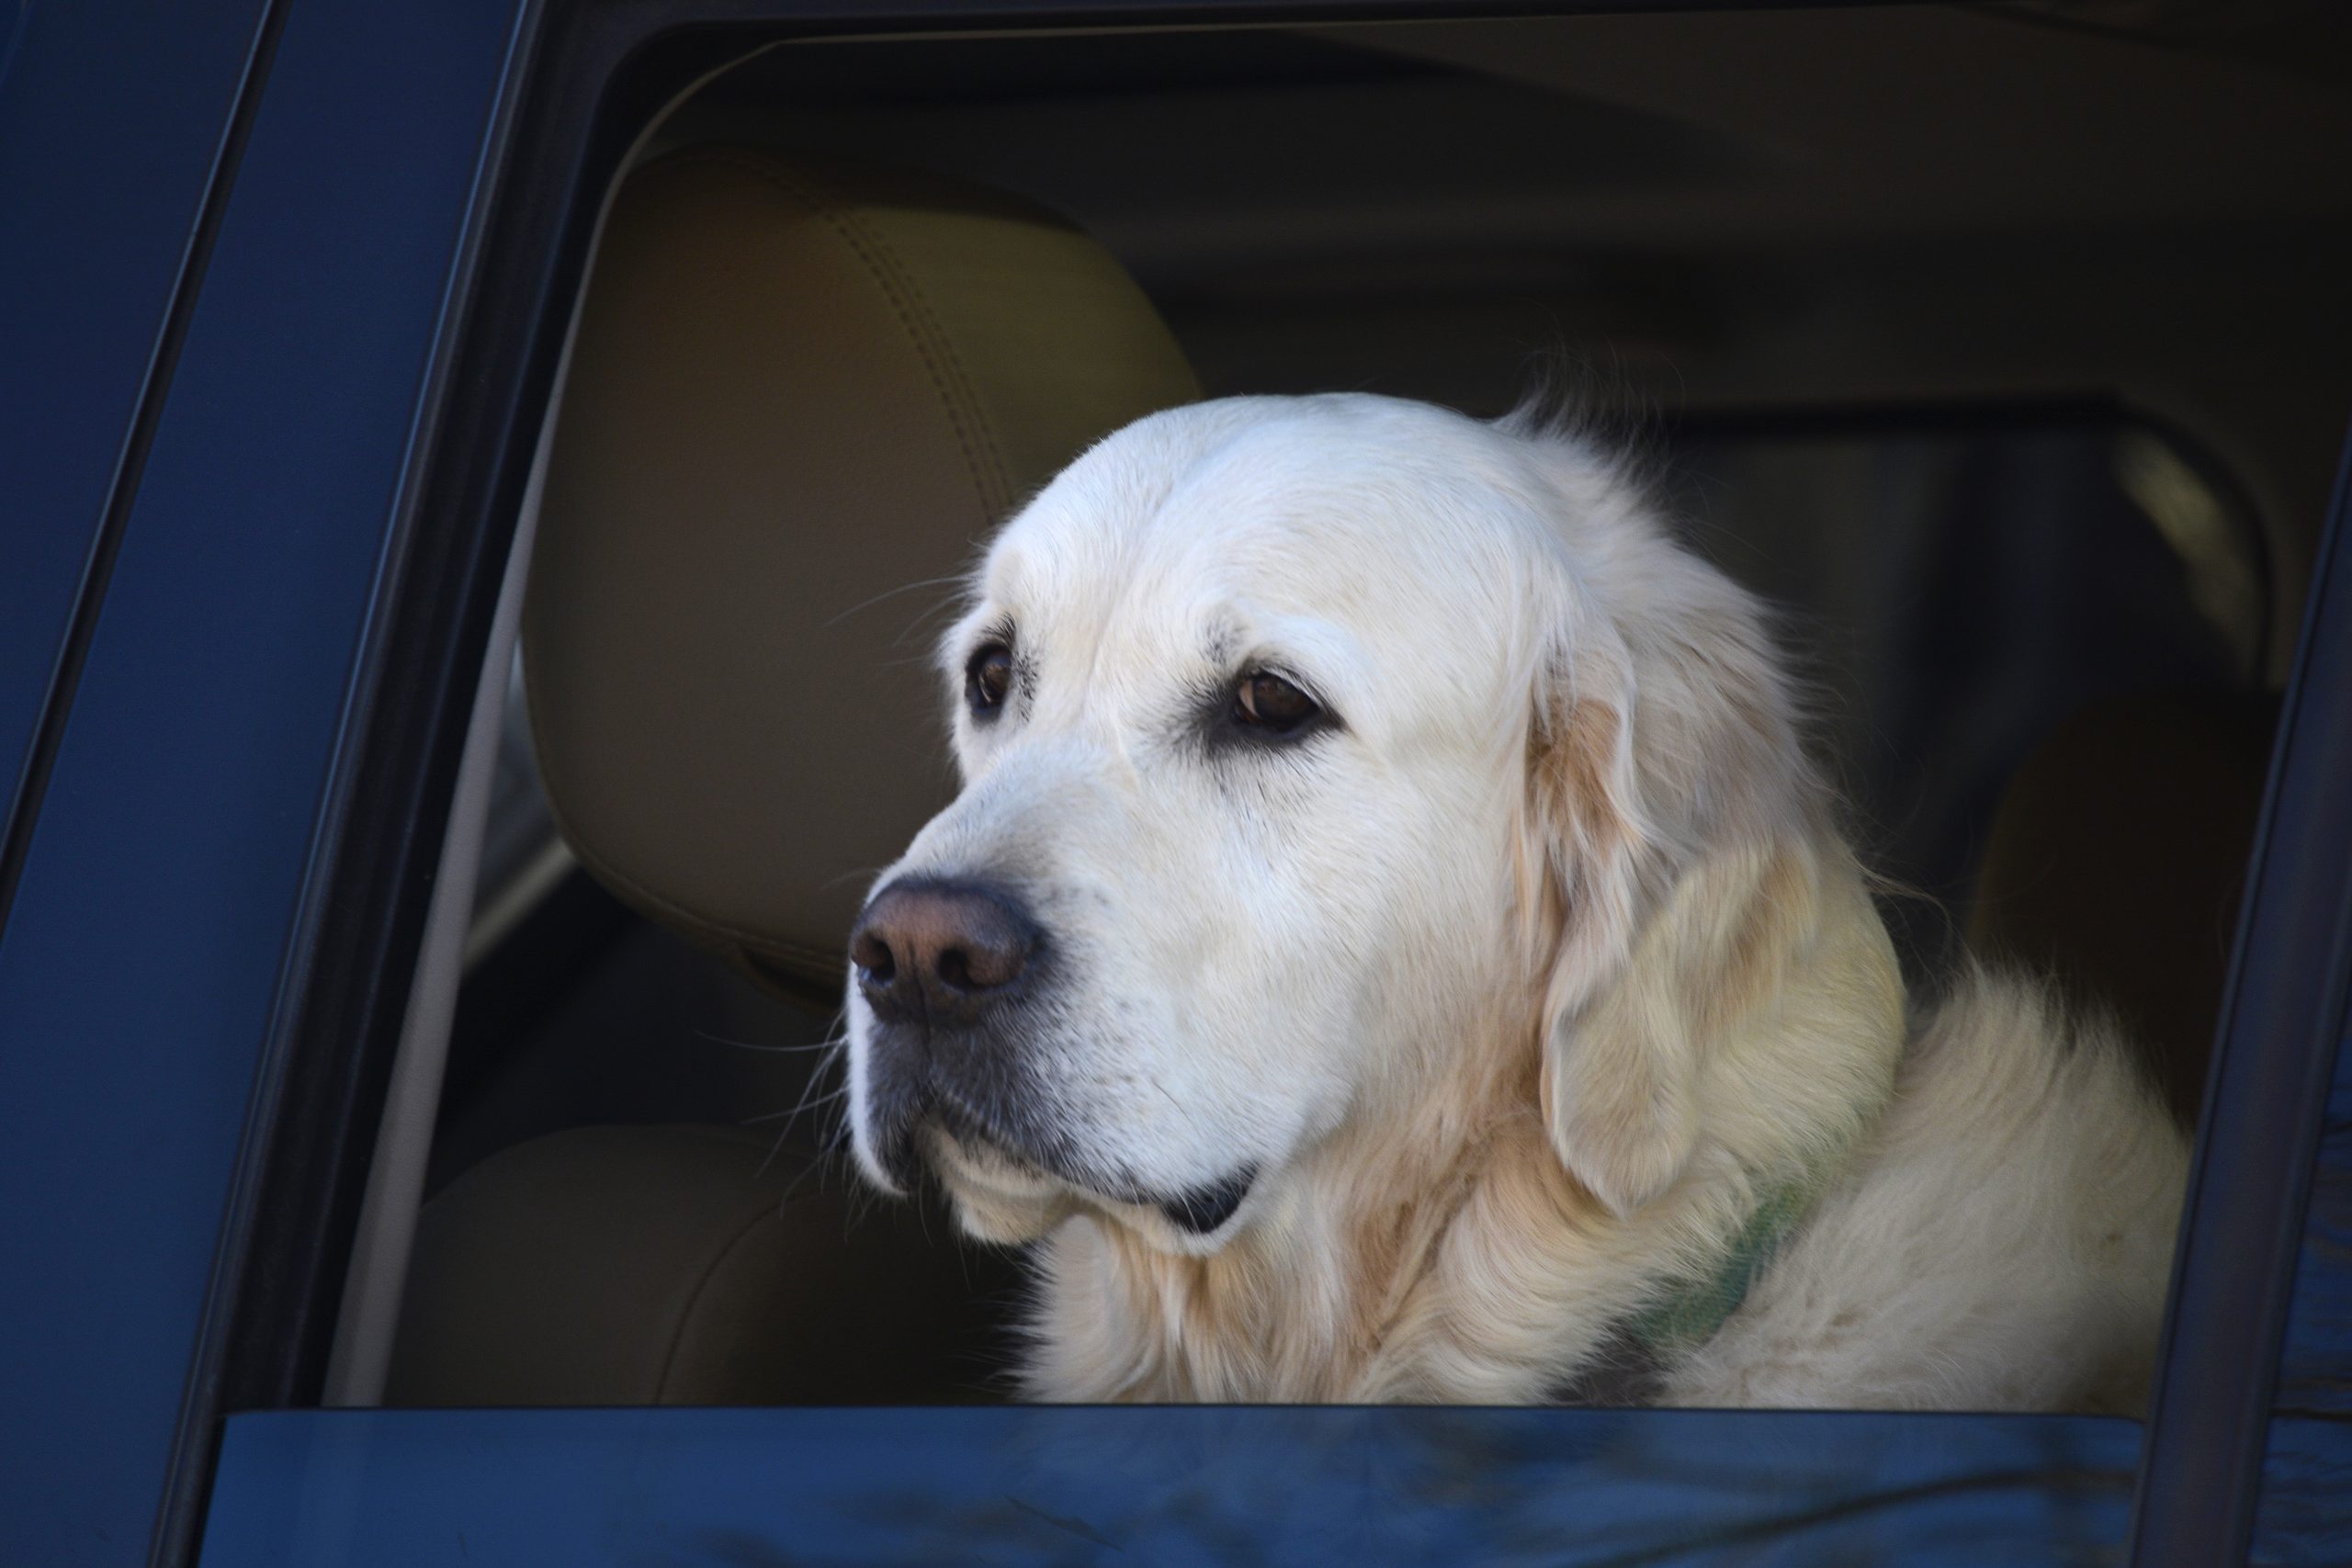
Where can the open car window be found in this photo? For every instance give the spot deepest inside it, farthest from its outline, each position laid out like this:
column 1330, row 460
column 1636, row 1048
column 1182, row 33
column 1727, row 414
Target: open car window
column 1989, row 450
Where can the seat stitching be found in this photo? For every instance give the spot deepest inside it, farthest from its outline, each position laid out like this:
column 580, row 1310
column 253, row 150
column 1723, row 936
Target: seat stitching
column 695, row 1296
column 650, row 902
column 915, row 315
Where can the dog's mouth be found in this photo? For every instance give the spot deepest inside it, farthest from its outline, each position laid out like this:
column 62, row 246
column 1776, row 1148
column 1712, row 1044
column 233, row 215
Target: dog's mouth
column 965, row 1163
column 967, row 1153
column 1000, row 1141
column 912, row 1100
column 998, row 1150
column 1204, row 1210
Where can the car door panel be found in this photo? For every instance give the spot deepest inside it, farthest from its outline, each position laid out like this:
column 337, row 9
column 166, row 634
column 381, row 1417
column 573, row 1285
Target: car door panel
column 1170, row 1484
column 164, row 878
column 113, row 119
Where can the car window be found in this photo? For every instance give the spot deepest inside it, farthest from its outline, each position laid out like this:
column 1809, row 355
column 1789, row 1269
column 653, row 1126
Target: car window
column 1959, row 585
column 1989, row 449
column 1970, row 589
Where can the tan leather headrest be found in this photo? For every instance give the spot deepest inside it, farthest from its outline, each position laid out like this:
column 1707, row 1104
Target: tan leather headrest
column 800, row 395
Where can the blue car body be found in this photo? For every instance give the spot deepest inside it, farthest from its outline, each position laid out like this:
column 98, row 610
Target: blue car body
column 281, row 286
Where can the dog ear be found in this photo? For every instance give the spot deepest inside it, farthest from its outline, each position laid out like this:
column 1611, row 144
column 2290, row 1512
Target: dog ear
column 1661, row 781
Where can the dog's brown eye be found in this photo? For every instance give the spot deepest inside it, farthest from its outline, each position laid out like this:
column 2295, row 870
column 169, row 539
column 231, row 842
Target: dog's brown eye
column 1268, row 702
column 987, row 678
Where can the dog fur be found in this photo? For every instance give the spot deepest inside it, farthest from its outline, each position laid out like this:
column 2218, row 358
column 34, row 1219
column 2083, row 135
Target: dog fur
column 1509, row 995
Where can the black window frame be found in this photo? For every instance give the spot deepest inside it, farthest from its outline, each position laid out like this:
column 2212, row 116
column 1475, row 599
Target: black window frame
column 595, row 74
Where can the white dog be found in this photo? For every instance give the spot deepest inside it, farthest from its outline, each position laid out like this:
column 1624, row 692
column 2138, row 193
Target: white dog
column 1390, row 945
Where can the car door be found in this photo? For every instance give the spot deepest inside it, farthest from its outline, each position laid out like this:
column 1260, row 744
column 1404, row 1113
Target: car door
column 167, row 885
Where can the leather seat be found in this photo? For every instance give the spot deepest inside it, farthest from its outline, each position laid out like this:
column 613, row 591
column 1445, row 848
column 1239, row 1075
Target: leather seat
column 679, row 1266
column 798, row 388
column 2116, row 860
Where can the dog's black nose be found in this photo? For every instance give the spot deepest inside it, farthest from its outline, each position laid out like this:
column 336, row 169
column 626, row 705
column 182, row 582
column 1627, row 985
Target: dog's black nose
column 941, row 951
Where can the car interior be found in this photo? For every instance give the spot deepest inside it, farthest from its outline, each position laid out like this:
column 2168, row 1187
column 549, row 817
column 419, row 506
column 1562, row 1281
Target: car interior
column 2002, row 347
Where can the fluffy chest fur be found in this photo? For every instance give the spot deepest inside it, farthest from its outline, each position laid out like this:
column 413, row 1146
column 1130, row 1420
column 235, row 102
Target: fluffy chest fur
column 1447, row 1255
column 1998, row 1240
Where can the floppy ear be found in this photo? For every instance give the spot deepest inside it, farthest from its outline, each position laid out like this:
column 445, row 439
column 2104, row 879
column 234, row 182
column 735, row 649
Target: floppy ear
column 1661, row 800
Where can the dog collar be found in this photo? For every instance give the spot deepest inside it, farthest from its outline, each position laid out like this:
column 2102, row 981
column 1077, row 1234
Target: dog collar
column 1689, row 1315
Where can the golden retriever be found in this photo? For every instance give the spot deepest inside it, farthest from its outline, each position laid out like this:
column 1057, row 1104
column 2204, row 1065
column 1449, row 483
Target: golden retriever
column 1390, row 945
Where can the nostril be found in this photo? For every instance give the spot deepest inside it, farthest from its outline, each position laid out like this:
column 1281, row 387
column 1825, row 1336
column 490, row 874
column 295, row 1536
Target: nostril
column 955, row 968
column 874, row 955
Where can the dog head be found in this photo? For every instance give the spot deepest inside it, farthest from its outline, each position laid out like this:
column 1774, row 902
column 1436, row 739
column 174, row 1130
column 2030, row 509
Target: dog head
column 1294, row 733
